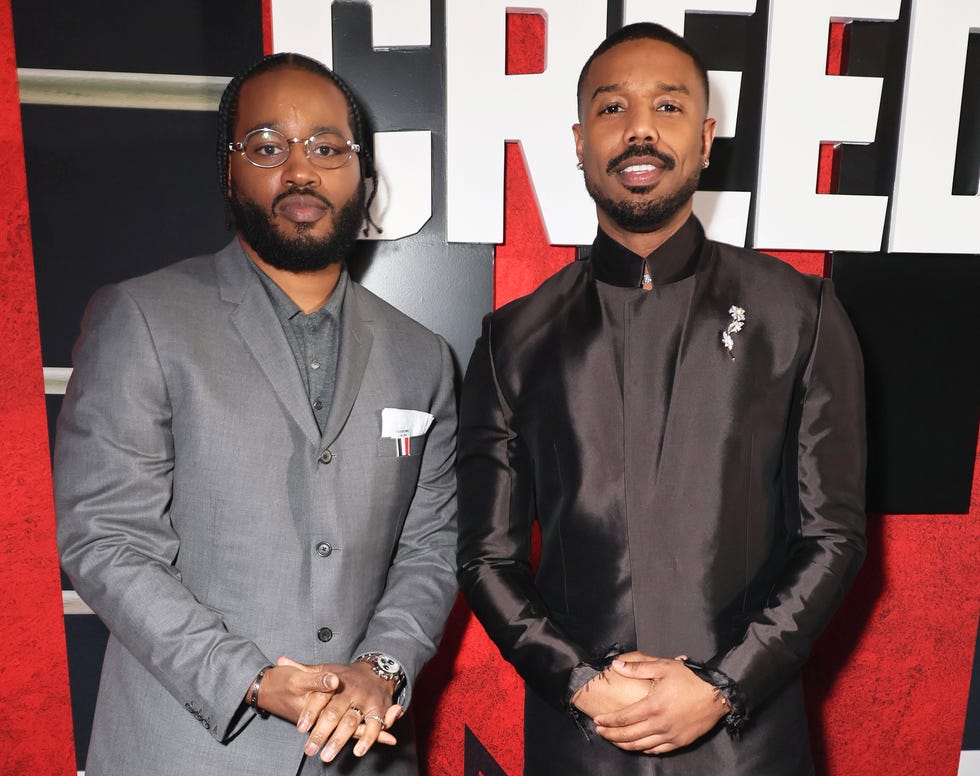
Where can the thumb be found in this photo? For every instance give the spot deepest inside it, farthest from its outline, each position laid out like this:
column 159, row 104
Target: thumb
column 637, row 669
column 285, row 661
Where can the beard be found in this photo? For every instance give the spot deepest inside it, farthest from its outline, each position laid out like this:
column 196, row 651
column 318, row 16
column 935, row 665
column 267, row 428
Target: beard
column 647, row 215
column 303, row 252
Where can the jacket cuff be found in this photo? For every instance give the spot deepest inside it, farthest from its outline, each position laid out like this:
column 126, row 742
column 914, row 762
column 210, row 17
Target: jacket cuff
column 582, row 674
column 738, row 713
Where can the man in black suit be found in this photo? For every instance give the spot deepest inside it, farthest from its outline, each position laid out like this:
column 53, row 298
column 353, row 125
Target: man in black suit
column 685, row 421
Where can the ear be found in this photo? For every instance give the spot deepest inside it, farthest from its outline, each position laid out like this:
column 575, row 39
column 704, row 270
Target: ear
column 579, row 141
column 707, row 137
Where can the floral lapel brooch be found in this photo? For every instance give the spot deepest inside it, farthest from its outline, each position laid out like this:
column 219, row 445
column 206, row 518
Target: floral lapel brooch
column 738, row 321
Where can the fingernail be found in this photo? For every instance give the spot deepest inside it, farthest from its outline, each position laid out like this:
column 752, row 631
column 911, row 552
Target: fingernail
column 303, row 725
column 360, row 749
column 329, row 753
column 310, row 748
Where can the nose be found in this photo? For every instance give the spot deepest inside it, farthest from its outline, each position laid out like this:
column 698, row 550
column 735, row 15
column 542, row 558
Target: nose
column 641, row 127
column 298, row 170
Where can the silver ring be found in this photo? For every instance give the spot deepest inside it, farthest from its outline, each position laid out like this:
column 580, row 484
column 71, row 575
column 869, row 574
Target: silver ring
column 357, row 711
column 381, row 720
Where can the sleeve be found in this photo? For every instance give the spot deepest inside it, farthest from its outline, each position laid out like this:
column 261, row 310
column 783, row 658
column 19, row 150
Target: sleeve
column 421, row 586
column 496, row 512
column 113, row 472
column 824, row 500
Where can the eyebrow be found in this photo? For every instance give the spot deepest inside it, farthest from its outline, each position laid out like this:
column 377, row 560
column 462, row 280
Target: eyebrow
column 664, row 87
column 278, row 127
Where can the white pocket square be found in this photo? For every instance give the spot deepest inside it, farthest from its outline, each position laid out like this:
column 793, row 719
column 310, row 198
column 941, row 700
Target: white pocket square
column 403, row 424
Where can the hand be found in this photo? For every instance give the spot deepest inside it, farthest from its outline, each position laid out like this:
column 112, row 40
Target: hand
column 337, row 716
column 609, row 691
column 287, row 688
column 678, row 709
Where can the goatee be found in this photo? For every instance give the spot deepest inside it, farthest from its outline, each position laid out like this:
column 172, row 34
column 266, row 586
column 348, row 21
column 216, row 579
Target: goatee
column 643, row 216
column 303, row 252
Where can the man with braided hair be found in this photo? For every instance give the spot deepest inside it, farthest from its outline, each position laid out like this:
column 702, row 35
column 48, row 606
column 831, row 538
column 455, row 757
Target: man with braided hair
column 254, row 470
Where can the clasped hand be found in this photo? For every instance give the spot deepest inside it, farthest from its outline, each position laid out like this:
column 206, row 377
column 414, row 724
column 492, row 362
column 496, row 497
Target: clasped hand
column 650, row 704
column 333, row 703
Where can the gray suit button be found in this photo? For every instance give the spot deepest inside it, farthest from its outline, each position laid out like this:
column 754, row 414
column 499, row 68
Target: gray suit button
column 324, row 634
column 323, row 550
column 326, row 456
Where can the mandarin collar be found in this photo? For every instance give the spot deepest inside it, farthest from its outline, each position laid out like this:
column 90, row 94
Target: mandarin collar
column 676, row 259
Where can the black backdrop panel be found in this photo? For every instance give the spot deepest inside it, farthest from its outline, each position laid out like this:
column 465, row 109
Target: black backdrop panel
column 916, row 318
column 136, row 188
column 86, row 637
column 187, row 37
column 966, row 173
column 971, row 733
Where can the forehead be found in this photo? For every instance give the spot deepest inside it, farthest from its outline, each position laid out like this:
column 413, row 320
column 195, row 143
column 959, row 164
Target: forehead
column 291, row 100
column 642, row 64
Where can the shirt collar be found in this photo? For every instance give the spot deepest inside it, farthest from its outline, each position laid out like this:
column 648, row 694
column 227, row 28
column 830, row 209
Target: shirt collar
column 676, row 259
column 286, row 309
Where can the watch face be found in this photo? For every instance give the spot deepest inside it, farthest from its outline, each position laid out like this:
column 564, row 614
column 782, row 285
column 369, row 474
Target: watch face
column 388, row 665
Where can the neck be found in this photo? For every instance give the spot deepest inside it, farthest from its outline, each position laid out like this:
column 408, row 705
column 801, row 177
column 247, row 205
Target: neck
column 309, row 290
column 645, row 243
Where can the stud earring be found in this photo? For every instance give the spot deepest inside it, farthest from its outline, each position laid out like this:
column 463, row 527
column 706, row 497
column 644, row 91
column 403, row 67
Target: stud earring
column 705, row 164
column 579, row 166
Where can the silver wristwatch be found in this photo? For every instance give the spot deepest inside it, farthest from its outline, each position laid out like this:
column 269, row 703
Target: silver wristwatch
column 384, row 666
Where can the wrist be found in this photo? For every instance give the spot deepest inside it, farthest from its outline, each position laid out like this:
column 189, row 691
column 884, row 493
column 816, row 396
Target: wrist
column 385, row 668
column 252, row 696
column 728, row 693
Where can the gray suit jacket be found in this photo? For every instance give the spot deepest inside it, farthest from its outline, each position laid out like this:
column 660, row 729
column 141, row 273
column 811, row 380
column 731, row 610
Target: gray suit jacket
column 203, row 516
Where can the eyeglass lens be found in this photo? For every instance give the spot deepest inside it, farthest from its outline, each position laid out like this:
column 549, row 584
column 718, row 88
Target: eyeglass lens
column 269, row 148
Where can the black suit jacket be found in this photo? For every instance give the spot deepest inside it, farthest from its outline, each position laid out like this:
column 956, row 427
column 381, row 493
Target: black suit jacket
column 715, row 509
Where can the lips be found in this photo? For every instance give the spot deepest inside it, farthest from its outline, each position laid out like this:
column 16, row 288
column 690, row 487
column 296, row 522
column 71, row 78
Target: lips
column 302, row 208
column 640, row 166
column 644, row 171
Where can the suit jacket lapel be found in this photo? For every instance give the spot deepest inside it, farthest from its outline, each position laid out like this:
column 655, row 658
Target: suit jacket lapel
column 355, row 348
column 261, row 331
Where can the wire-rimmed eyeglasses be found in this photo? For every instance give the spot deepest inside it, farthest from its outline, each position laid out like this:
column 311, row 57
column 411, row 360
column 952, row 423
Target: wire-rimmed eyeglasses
column 270, row 148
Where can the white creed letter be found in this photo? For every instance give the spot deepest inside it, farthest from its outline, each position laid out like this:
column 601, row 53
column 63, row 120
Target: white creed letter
column 303, row 26
column 926, row 217
column 401, row 23
column 403, row 159
column 724, row 214
column 486, row 108
column 802, row 107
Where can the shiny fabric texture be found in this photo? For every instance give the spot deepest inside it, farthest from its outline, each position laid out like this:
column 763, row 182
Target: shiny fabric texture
column 689, row 503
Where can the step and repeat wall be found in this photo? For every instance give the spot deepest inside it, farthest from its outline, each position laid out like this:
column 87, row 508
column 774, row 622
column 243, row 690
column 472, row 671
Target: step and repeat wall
column 849, row 146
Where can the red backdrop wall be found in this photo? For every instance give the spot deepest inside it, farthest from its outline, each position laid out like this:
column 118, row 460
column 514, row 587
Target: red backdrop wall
column 35, row 716
column 887, row 685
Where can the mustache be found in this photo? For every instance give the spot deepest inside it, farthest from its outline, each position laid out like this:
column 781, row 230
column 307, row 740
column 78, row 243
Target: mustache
column 639, row 151
column 302, row 192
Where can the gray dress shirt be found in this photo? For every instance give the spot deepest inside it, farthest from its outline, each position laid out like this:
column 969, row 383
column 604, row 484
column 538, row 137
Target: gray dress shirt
column 314, row 339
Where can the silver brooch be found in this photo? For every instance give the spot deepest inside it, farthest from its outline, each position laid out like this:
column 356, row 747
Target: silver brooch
column 738, row 321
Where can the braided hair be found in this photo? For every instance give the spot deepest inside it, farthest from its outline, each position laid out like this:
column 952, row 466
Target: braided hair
column 228, row 113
